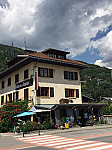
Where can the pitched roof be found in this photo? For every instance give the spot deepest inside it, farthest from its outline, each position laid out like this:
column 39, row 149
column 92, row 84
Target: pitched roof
column 41, row 55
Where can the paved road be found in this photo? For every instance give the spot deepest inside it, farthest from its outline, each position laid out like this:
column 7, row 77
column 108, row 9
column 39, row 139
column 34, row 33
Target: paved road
column 75, row 139
column 58, row 142
column 107, row 139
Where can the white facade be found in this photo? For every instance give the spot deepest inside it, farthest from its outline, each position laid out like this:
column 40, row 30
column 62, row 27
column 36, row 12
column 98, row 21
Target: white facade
column 58, row 83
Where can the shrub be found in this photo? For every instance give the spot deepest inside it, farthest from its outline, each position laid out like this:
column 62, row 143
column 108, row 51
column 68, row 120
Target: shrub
column 63, row 121
column 102, row 121
column 8, row 111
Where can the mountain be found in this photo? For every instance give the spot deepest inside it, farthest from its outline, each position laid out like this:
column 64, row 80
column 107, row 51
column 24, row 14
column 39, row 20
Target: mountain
column 7, row 53
column 96, row 82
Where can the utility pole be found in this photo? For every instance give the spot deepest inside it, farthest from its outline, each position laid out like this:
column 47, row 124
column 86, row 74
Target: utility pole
column 25, row 42
column 12, row 52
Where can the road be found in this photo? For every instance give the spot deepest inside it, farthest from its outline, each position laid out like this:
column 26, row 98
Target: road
column 99, row 139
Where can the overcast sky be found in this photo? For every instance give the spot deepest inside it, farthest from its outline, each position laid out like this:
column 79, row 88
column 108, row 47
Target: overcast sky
column 83, row 27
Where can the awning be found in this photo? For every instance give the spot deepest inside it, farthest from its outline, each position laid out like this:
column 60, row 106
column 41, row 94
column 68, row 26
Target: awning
column 41, row 110
column 24, row 114
column 32, row 109
column 61, row 106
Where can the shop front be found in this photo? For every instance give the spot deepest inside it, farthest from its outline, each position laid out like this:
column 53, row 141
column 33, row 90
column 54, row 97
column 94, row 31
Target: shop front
column 74, row 114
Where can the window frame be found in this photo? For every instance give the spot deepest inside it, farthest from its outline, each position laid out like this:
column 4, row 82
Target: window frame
column 44, row 92
column 9, row 98
column 45, row 72
column 68, row 75
column 3, row 84
column 26, row 76
column 48, row 93
column 2, row 100
column 15, row 96
column 17, row 78
column 9, row 82
column 70, row 93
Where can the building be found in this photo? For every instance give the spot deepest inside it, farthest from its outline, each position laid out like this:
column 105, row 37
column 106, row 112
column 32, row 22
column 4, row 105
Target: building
column 46, row 78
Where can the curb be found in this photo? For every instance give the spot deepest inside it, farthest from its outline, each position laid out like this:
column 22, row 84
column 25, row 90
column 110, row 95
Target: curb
column 56, row 131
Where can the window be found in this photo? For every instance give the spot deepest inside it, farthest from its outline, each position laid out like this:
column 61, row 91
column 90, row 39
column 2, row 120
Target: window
column 26, row 96
column 61, row 57
column 72, row 93
column 9, row 81
column 45, row 91
column 9, row 98
column 25, row 73
column 70, row 75
column 3, row 85
column 44, row 72
column 15, row 96
column 69, row 93
column 16, row 78
column 2, row 100
column 6, row 99
column 52, row 55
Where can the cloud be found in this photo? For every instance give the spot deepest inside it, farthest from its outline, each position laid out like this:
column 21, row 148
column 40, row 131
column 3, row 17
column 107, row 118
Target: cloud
column 4, row 3
column 105, row 47
column 57, row 24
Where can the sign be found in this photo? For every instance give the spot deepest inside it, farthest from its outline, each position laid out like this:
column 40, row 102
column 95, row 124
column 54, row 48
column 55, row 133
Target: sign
column 24, row 84
column 36, row 78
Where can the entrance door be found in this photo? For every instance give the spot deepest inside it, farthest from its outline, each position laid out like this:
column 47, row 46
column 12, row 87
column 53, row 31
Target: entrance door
column 26, row 94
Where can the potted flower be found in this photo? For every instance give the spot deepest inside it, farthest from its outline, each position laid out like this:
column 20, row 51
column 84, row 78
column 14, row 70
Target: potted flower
column 18, row 129
column 56, row 126
column 78, row 121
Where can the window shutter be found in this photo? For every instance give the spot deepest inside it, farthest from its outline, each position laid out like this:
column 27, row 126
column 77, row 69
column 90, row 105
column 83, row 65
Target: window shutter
column 76, row 75
column 51, row 92
column 66, row 93
column 65, row 74
column 77, row 93
column 51, row 73
column 38, row 91
column 39, row 71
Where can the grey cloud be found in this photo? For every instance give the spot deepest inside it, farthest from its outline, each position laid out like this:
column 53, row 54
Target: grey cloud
column 60, row 24
column 4, row 3
column 107, row 58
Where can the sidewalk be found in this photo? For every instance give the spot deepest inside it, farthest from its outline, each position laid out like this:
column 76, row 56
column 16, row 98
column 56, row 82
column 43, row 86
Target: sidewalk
column 55, row 131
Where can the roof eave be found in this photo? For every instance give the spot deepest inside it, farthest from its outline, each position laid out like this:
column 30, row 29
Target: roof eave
column 29, row 59
column 60, row 62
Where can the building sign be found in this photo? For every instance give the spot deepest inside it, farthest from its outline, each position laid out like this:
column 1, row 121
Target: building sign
column 24, row 84
column 36, row 78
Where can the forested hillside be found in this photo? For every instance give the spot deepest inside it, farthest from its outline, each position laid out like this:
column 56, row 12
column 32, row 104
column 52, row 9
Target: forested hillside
column 97, row 82
column 6, row 53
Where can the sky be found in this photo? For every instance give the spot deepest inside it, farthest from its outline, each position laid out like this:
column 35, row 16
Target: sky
column 83, row 27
